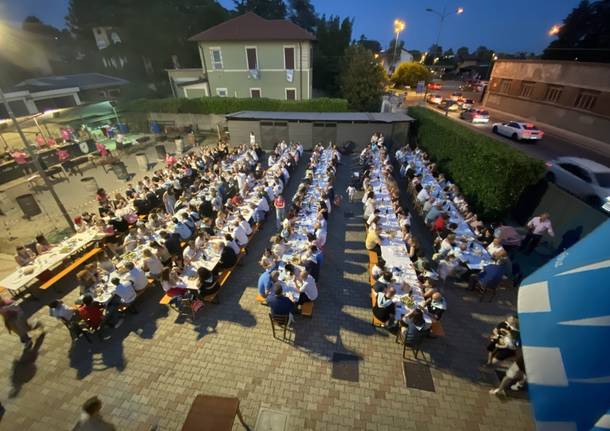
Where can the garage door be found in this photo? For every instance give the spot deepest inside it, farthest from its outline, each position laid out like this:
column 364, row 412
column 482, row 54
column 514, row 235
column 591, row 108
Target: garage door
column 273, row 132
column 325, row 133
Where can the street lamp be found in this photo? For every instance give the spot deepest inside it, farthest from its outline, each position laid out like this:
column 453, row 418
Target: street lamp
column 554, row 30
column 399, row 26
column 36, row 162
column 442, row 15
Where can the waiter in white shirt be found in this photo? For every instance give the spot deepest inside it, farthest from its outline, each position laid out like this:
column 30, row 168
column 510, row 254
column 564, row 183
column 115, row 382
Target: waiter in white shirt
column 536, row 229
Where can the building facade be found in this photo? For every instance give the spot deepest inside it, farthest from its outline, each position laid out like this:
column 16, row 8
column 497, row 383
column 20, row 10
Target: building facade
column 573, row 96
column 249, row 56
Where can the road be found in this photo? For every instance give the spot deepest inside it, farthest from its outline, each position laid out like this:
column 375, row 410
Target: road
column 550, row 147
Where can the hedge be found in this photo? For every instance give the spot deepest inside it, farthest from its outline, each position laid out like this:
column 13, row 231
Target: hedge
column 491, row 175
column 225, row 105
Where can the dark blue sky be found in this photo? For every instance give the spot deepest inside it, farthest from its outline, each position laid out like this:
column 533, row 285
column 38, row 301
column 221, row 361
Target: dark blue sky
column 503, row 25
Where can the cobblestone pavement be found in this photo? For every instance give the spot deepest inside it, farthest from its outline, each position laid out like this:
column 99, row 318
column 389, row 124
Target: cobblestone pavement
column 154, row 365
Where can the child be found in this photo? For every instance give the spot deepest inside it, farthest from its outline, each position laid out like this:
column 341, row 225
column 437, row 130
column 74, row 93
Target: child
column 351, row 193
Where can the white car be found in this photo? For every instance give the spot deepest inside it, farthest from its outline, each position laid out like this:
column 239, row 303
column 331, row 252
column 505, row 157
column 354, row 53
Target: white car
column 585, row 178
column 435, row 99
column 518, row 130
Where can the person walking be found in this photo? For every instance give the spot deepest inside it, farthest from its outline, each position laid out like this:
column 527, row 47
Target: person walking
column 15, row 321
column 537, row 226
column 279, row 205
column 91, row 418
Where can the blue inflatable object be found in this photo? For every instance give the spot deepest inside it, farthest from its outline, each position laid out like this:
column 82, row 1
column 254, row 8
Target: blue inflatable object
column 564, row 316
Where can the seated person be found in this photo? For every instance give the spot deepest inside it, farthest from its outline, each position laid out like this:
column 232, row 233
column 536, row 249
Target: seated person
column 125, row 291
column 308, row 291
column 24, row 256
column 495, row 247
column 60, row 311
column 190, row 253
column 266, row 281
column 280, row 305
column 385, row 308
column 267, row 260
column 373, row 241
column 491, row 275
column 413, row 327
column 42, row 245
column 90, row 312
column 436, row 305
column 136, row 276
column 171, row 283
column 152, row 264
column 503, row 344
column 383, row 281
column 228, row 257
column 206, row 282
column 86, row 281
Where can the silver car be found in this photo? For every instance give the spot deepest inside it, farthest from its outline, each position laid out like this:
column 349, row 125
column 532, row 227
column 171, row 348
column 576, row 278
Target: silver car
column 584, row 178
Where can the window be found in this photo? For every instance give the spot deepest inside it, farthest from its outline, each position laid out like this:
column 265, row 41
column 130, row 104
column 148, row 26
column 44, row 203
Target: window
column 576, row 171
column 586, row 100
column 216, row 56
column 255, row 93
column 222, row 92
column 505, row 85
column 291, row 94
column 527, row 88
column 514, row 125
column 251, row 58
column 288, row 57
column 553, row 93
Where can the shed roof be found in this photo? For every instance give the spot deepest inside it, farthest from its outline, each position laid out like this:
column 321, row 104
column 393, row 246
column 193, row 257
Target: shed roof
column 250, row 26
column 348, row 117
column 84, row 81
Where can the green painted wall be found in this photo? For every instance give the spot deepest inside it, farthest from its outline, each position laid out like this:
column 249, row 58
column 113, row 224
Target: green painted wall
column 272, row 81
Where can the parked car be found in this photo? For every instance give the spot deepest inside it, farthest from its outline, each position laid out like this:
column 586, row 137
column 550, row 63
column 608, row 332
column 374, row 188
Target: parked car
column 435, row 99
column 466, row 103
column 456, row 96
column 434, row 86
column 447, row 104
column 475, row 116
column 584, row 178
column 518, row 130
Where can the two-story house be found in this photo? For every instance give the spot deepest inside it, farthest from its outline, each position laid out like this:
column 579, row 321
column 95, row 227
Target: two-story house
column 249, row 56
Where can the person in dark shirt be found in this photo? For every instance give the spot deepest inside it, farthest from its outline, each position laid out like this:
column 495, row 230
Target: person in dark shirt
column 280, row 305
column 171, row 242
column 228, row 258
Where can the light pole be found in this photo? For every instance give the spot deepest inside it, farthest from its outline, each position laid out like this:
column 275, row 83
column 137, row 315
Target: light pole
column 442, row 15
column 36, row 162
column 399, row 25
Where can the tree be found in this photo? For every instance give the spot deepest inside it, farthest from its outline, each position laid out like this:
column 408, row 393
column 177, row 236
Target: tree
column 435, row 51
column 372, row 45
column 303, row 14
column 390, row 51
column 416, row 54
column 333, row 37
column 448, row 53
column 463, row 52
column 362, row 80
column 584, row 35
column 410, row 73
column 483, row 54
column 270, row 9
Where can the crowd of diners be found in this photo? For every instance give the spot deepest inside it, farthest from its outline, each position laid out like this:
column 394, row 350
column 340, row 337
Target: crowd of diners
column 428, row 304
column 177, row 229
column 291, row 264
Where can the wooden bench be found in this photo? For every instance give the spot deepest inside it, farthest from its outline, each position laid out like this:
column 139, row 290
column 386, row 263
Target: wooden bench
column 373, row 259
column 210, row 413
column 375, row 321
column 307, row 309
column 260, row 298
column 67, row 270
column 437, row 329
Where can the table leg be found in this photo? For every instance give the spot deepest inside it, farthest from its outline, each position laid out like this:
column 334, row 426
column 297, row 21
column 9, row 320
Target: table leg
column 241, row 419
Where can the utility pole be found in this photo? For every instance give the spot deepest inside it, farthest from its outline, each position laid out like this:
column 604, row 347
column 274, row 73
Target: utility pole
column 36, row 162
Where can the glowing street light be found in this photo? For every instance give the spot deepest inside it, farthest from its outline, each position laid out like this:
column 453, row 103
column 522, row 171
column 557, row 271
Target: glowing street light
column 399, row 26
column 555, row 29
column 442, row 15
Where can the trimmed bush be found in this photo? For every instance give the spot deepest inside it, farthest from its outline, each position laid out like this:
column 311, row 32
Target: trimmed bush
column 490, row 174
column 226, row 105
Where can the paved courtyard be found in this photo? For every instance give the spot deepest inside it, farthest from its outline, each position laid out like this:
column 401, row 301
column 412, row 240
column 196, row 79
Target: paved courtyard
column 152, row 367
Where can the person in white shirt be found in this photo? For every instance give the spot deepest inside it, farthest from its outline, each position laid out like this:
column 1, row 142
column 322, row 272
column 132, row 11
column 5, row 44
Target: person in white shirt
column 152, row 263
column 244, row 224
column 190, row 253
column 239, row 234
column 495, row 247
column 182, row 230
column 136, row 276
column 59, row 310
column 229, row 241
column 423, row 195
column 124, row 291
column 262, row 205
column 536, row 229
column 320, row 236
column 308, row 291
column 202, row 240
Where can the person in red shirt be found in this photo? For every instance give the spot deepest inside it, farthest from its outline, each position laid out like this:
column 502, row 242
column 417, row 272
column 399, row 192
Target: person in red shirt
column 90, row 313
column 279, row 205
column 22, row 159
column 440, row 223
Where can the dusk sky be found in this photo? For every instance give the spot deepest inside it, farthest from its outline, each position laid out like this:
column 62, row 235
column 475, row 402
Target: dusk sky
column 502, row 25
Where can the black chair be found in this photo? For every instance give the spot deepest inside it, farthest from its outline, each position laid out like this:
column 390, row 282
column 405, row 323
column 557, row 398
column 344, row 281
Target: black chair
column 415, row 346
column 283, row 322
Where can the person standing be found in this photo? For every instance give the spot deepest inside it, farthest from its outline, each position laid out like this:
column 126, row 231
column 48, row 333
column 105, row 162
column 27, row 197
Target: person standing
column 91, row 419
column 279, row 205
column 536, row 229
column 15, row 321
